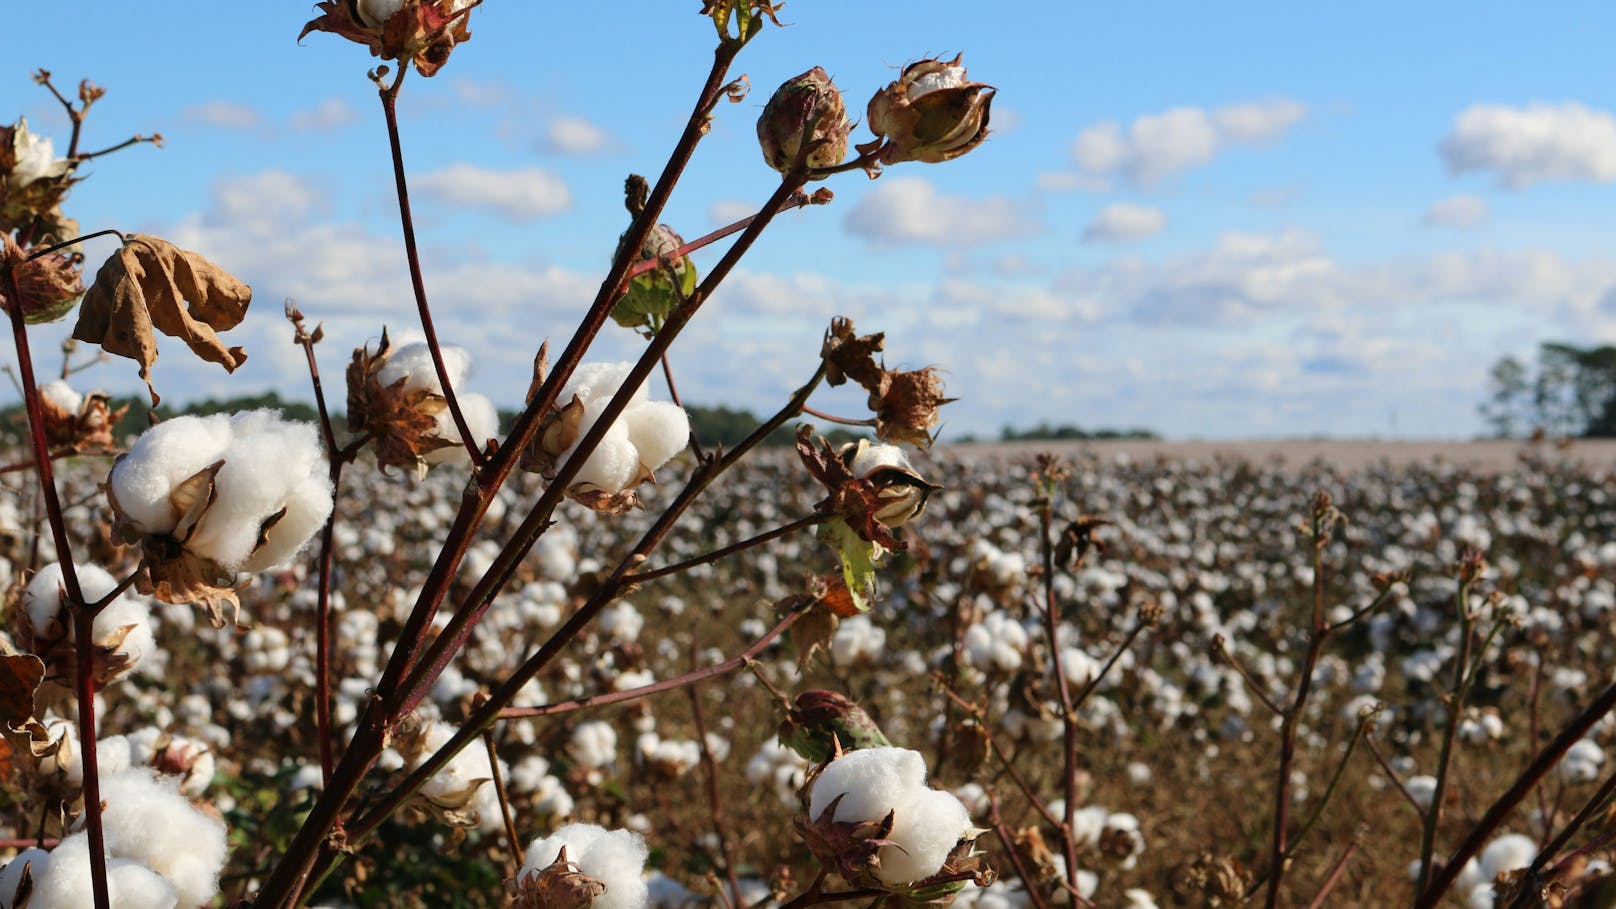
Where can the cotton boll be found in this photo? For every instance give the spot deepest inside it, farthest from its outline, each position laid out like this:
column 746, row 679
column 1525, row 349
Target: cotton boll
column 62, row 395
column 614, row 463
column 871, row 782
column 925, row 829
column 267, row 459
column 456, row 783
column 616, row 858
column 36, row 860
column 600, row 381
column 1509, row 852
column 412, row 362
column 658, row 430
column 1422, row 789
column 163, row 457
column 594, row 744
column 1581, row 762
column 43, row 597
column 65, row 883
column 307, row 504
column 147, row 820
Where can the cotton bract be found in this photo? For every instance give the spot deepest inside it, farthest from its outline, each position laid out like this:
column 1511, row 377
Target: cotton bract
column 413, row 363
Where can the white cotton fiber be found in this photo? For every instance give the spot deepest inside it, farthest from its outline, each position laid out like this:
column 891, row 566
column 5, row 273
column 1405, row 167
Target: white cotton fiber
column 925, row 829
column 163, row 457
column 871, row 781
column 42, row 600
column 148, row 820
column 594, row 744
column 454, row 784
column 658, row 429
column 645, row 435
column 413, row 363
column 62, row 395
column 616, row 858
column 43, row 597
column 267, row 459
column 36, row 860
column 270, row 465
column 65, row 884
column 1507, row 853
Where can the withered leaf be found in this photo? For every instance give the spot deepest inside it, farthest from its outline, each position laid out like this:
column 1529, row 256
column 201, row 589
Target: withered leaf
column 20, row 675
column 849, row 356
column 153, row 284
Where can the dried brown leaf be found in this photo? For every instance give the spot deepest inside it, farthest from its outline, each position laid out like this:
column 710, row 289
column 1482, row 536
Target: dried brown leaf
column 152, row 284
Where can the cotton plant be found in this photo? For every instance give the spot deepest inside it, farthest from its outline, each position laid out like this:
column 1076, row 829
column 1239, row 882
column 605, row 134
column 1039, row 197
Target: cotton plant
column 870, row 815
column 209, row 498
column 642, row 438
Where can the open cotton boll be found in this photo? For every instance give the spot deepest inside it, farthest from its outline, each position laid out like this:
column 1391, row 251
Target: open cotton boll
column 43, row 597
column 36, row 860
column 1509, row 852
column 148, row 820
column 163, row 457
column 456, row 782
column 925, row 829
column 482, row 421
column 615, row 461
column 599, row 381
column 65, row 881
column 62, row 395
column 871, row 782
column 658, row 430
column 271, row 464
column 412, row 362
column 616, row 858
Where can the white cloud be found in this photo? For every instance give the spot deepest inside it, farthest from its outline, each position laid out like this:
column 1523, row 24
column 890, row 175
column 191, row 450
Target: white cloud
column 1521, row 146
column 1462, row 211
column 225, row 115
column 266, row 201
column 728, row 211
column 1157, row 146
column 332, row 113
column 575, row 136
column 1125, row 223
column 910, row 210
column 524, row 194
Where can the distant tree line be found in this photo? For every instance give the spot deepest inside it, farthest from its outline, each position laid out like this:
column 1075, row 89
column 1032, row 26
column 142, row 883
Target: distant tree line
column 1569, row 392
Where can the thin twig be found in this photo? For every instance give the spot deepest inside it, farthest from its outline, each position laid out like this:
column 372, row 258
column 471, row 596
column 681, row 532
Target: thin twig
column 639, row 577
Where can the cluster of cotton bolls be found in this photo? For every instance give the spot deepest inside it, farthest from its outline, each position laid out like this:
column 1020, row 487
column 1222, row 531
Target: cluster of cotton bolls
column 642, row 438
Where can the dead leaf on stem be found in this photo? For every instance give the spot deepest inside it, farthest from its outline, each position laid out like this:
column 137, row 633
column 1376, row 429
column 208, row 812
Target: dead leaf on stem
column 153, row 284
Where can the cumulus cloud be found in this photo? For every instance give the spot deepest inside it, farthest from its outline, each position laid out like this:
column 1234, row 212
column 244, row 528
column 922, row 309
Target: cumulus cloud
column 575, row 136
column 332, row 113
column 1157, row 146
column 910, row 210
column 524, row 194
column 1462, row 211
column 1521, row 146
column 728, row 211
column 1125, row 223
column 225, row 115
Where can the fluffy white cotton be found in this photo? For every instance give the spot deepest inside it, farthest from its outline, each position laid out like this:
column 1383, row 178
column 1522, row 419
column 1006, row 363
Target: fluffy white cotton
column 1581, row 762
column 869, row 458
column 997, row 642
column 123, row 625
column 412, row 363
column 36, row 860
column 62, row 395
column 65, row 883
column 457, row 782
column 616, row 858
column 594, row 744
column 779, row 768
column 34, row 156
column 870, row 782
column 1509, row 852
column 857, row 640
column 926, row 826
column 270, row 466
column 643, row 438
column 147, row 819
column 1422, row 789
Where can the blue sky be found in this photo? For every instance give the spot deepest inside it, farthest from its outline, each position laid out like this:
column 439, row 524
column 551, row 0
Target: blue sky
column 1215, row 221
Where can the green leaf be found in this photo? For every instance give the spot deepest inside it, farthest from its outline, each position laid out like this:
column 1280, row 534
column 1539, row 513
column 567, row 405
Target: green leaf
column 859, row 558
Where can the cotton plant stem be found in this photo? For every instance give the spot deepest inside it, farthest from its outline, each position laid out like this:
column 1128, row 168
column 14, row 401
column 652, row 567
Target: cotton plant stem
column 608, row 591
column 1500, row 810
column 292, row 872
column 644, row 691
column 389, row 99
column 717, row 554
column 1334, row 876
column 715, row 803
column 1463, row 674
column 1069, row 730
column 1595, row 804
column 82, row 611
column 513, row 840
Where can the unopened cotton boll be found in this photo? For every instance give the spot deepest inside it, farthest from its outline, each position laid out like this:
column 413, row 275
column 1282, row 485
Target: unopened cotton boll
column 616, row 858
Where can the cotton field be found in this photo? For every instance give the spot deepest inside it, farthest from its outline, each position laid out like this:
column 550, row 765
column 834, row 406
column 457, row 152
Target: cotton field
column 1180, row 630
